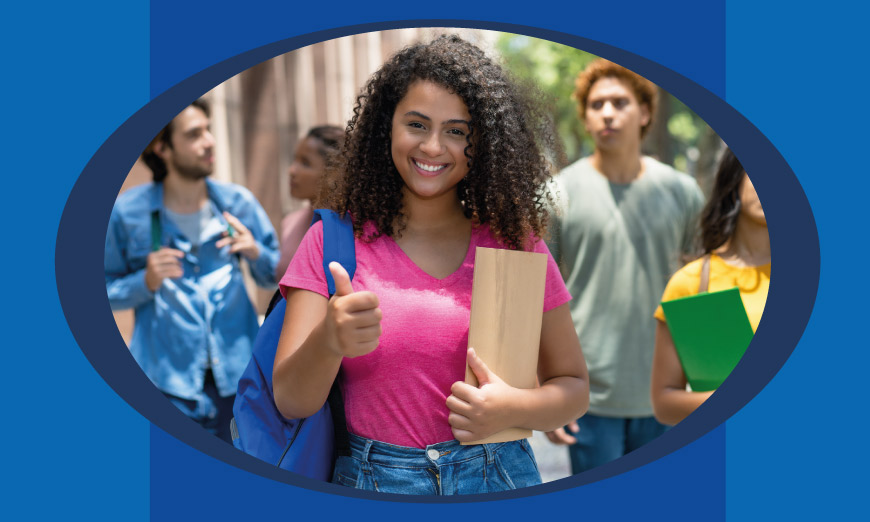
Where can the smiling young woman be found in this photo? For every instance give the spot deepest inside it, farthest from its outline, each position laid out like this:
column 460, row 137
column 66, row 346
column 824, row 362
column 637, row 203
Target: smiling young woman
column 444, row 154
column 428, row 141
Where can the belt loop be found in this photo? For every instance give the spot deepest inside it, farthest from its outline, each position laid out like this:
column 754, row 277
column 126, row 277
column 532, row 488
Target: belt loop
column 487, row 448
column 365, row 452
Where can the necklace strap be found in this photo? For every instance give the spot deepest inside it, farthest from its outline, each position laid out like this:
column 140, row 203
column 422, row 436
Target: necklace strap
column 705, row 275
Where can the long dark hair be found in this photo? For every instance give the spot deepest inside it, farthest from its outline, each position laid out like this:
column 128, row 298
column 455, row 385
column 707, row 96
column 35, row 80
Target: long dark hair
column 719, row 217
column 508, row 163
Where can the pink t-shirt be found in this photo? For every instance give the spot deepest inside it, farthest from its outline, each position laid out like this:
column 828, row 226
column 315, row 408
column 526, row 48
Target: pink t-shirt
column 397, row 393
column 293, row 229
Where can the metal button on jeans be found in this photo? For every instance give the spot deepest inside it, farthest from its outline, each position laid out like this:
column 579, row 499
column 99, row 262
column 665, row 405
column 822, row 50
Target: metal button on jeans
column 433, row 454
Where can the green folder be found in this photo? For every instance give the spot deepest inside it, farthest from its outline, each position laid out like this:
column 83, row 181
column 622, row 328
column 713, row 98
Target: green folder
column 710, row 331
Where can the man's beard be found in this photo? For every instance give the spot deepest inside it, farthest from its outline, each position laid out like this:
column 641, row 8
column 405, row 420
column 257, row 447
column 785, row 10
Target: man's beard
column 192, row 172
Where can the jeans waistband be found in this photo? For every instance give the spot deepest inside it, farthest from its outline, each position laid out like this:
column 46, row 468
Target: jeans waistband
column 449, row 452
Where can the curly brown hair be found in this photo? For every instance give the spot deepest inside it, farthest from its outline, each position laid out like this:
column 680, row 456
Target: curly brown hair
column 644, row 90
column 511, row 133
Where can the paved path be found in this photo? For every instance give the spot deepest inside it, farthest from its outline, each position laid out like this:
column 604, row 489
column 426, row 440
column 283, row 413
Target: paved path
column 552, row 459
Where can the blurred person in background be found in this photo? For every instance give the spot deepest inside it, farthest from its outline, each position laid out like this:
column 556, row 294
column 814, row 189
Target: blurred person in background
column 736, row 245
column 173, row 254
column 624, row 223
column 307, row 173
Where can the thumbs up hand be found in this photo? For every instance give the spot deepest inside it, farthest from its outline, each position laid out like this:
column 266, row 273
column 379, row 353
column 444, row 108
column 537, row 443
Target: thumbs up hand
column 353, row 319
column 478, row 412
column 343, row 286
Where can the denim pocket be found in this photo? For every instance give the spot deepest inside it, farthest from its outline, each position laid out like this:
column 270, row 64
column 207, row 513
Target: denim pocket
column 410, row 480
column 347, row 472
column 527, row 449
column 516, row 465
column 137, row 252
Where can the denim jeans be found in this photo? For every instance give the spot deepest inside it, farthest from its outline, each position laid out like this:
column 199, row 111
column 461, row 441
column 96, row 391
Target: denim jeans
column 446, row 468
column 210, row 410
column 602, row 439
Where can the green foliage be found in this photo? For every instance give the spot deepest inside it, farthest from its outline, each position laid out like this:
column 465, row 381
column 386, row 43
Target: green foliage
column 554, row 67
column 682, row 127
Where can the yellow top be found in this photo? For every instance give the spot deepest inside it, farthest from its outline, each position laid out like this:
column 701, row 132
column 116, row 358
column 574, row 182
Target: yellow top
column 753, row 283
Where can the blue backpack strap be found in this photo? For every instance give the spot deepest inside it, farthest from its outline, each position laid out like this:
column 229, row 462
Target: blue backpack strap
column 258, row 427
column 337, row 243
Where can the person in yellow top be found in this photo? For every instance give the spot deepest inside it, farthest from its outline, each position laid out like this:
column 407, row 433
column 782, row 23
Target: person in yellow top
column 737, row 251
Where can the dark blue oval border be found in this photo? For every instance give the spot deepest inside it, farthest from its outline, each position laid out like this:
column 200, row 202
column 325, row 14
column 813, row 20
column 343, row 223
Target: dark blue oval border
column 81, row 242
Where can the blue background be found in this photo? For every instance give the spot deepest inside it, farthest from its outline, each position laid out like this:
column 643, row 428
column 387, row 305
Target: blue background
column 75, row 73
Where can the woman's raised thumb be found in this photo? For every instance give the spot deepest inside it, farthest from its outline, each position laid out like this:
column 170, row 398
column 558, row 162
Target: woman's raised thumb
column 342, row 280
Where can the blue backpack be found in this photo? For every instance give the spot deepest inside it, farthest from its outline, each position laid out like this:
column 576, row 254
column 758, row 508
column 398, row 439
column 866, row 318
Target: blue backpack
column 306, row 446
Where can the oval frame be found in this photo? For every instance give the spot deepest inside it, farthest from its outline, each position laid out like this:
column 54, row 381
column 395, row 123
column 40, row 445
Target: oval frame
column 789, row 305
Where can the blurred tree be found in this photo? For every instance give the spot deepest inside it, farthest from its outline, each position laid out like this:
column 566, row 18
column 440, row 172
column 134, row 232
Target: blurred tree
column 553, row 67
column 678, row 137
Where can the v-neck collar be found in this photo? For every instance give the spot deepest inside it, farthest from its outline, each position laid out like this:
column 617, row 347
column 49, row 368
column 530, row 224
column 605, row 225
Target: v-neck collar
column 468, row 261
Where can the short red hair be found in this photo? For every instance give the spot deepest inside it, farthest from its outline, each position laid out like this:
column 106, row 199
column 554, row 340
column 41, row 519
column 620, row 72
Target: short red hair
column 644, row 90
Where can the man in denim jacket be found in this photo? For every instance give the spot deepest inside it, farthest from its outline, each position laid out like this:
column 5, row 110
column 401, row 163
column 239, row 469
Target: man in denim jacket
column 173, row 253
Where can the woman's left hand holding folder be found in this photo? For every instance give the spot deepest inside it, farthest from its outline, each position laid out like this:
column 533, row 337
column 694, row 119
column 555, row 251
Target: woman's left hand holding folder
column 478, row 412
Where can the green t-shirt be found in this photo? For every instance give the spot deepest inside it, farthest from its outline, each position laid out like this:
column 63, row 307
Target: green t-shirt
column 617, row 245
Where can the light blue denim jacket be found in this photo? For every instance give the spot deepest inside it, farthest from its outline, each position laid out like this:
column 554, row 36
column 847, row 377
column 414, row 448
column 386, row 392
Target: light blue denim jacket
column 204, row 314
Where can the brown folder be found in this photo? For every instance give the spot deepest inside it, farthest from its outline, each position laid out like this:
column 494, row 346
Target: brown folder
column 507, row 307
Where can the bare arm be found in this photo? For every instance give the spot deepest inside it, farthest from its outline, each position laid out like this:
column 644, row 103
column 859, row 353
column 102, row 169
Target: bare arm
column 315, row 337
column 562, row 373
column 494, row 406
column 671, row 401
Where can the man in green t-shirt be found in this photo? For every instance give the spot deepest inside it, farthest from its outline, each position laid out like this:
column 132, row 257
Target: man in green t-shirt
column 625, row 221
